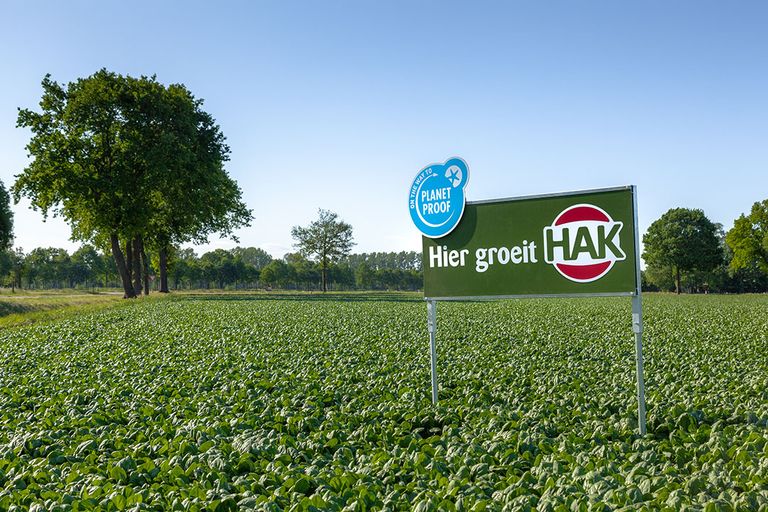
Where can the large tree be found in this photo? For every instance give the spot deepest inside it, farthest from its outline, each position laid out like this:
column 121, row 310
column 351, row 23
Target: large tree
column 131, row 164
column 685, row 240
column 748, row 239
column 326, row 240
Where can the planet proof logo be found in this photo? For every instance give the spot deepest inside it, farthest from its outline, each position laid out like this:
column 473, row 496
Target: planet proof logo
column 583, row 243
column 436, row 198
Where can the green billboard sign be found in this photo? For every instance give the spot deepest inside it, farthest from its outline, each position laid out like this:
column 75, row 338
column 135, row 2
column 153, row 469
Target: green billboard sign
column 575, row 243
column 582, row 243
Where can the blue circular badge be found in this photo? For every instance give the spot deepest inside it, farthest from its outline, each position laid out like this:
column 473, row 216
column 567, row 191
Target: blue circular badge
column 436, row 198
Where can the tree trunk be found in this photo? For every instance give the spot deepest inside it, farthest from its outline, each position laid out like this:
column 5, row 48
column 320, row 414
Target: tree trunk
column 122, row 269
column 164, row 270
column 325, row 276
column 145, row 262
column 129, row 260
column 137, row 285
column 677, row 280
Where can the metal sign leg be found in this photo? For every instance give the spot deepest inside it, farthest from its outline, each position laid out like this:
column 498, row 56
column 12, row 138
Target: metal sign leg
column 637, row 328
column 432, row 326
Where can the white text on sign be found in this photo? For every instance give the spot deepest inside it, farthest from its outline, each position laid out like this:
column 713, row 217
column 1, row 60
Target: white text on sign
column 440, row 256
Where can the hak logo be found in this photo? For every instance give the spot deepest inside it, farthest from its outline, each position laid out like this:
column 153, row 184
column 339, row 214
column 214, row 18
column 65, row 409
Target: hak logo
column 436, row 197
column 583, row 243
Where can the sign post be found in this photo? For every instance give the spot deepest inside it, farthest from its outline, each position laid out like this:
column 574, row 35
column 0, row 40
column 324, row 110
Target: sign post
column 572, row 244
column 432, row 327
column 637, row 326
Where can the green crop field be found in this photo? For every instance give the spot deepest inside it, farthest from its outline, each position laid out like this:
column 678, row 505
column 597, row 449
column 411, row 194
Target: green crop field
column 312, row 403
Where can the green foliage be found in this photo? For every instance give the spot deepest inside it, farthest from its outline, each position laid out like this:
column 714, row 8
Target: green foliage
column 81, row 154
column 299, row 270
column 403, row 260
column 220, row 266
column 364, row 276
column 50, row 267
column 239, row 268
column 288, row 404
column 278, row 273
column 683, row 239
column 661, row 277
column 253, row 256
column 748, row 239
column 192, row 196
column 117, row 153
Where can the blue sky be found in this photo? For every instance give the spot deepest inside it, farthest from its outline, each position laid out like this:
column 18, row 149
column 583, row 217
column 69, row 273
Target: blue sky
column 338, row 105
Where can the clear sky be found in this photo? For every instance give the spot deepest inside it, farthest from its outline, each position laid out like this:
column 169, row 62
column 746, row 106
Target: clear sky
column 338, row 105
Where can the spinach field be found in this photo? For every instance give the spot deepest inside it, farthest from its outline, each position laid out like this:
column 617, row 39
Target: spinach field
column 322, row 403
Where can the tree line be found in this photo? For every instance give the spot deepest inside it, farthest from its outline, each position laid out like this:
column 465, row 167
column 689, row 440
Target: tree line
column 685, row 251
column 243, row 268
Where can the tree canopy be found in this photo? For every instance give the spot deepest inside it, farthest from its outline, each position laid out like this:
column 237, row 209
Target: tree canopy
column 748, row 239
column 326, row 240
column 683, row 239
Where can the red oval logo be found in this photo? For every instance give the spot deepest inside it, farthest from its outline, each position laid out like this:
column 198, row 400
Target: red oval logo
column 583, row 243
